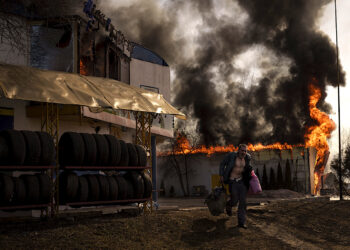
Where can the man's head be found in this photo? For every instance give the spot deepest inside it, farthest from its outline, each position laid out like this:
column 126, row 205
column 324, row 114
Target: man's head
column 242, row 150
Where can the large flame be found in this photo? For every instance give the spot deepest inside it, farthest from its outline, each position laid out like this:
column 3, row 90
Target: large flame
column 316, row 136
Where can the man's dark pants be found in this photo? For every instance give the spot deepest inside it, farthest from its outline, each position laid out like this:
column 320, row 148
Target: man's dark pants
column 238, row 195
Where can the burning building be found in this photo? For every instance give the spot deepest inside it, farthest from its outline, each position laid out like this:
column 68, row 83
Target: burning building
column 296, row 61
column 74, row 71
column 297, row 166
column 65, row 37
column 307, row 161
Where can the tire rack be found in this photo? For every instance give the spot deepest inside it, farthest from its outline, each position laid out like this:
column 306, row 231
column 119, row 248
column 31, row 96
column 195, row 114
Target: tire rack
column 43, row 207
column 143, row 137
column 49, row 124
column 108, row 202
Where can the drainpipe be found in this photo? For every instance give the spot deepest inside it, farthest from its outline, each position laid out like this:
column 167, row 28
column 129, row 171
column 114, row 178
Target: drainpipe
column 154, row 168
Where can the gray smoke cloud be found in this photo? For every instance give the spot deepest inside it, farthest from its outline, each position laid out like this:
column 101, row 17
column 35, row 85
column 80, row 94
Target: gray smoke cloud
column 273, row 109
column 210, row 86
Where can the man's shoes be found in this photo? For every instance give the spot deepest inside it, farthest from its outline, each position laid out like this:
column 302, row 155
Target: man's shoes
column 242, row 226
column 228, row 210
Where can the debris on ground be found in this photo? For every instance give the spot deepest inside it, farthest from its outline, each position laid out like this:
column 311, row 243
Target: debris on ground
column 307, row 223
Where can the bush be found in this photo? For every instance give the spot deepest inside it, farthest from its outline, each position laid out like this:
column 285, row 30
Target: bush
column 172, row 191
column 265, row 183
column 288, row 176
column 272, row 182
column 162, row 189
column 279, row 177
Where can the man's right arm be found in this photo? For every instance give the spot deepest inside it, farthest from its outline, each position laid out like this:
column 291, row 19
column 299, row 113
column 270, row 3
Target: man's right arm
column 223, row 165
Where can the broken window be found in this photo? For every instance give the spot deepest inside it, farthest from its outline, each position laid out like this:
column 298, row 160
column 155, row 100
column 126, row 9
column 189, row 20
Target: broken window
column 52, row 46
column 113, row 65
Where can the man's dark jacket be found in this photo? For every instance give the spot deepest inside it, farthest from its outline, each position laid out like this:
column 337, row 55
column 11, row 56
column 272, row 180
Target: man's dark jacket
column 227, row 165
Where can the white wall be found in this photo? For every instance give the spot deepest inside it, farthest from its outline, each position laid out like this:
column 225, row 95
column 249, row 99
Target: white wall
column 203, row 167
column 154, row 75
column 150, row 74
column 22, row 122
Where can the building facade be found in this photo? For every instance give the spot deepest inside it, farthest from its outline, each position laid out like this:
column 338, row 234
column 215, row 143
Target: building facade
column 203, row 170
column 72, row 44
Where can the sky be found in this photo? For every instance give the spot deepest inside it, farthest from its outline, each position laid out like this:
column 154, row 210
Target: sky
column 327, row 24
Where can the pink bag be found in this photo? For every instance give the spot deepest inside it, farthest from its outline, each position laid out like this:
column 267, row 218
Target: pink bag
column 254, row 185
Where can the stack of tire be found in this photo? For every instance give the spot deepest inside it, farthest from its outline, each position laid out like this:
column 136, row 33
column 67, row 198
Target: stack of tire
column 25, row 148
column 28, row 148
column 24, row 190
column 97, row 187
column 82, row 149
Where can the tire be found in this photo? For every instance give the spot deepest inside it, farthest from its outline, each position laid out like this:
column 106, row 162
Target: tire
column 119, row 153
column 142, row 155
column 19, row 194
column 71, row 149
column 90, row 147
column 94, row 188
column 6, row 189
column 124, row 157
column 68, row 186
column 104, row 187
column 133, row 158
column 83, row 189
column 16, row 147
column 33, row 148
column 32, row 188
column 45, row 188
column 138, row 184
column 102, row 150
column 4, row 151
column 130, row 192
column 122, row 187
column 148, row 185
column 114, row 150
column 113, row 188
column 48, row 150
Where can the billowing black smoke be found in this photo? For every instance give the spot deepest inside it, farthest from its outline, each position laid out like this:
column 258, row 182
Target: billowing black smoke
column 273, row 109
column 276, row 109
column 231, row 109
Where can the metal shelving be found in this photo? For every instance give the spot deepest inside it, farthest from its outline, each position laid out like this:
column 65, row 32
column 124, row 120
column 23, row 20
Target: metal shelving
column 116, row 202
column 29, row 206
column 17, row 168
column 105, row 168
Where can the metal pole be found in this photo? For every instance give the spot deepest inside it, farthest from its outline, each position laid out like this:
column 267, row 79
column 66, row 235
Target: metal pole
column 154, row 168
column 339, row 128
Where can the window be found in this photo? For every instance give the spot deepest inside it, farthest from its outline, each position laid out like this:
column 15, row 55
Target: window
column 150, row 88
column 113, row 65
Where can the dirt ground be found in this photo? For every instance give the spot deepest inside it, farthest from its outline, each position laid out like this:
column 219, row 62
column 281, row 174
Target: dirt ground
column 303, row 224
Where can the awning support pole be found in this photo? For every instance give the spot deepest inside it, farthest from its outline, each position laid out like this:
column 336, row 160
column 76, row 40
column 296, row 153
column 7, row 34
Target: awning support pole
column 143, row 137
column 49, row 124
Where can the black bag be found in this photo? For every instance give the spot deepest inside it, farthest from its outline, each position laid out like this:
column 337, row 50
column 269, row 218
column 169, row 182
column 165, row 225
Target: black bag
column 216, row 201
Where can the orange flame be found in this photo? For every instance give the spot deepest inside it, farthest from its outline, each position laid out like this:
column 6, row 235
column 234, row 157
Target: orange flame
column 183, row 147
column 82, row 68
column 316, row 136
